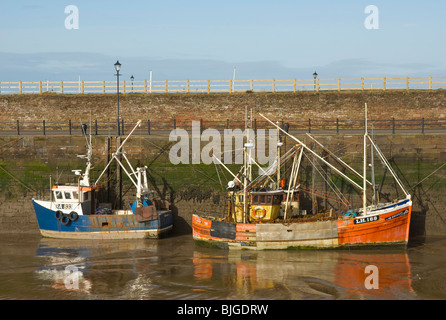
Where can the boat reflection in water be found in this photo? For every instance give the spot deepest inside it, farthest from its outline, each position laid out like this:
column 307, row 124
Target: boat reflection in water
column 308, row 274
column 90, row 269
column 176, row 269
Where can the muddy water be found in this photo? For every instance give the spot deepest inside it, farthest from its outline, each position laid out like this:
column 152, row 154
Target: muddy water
column 176, row 269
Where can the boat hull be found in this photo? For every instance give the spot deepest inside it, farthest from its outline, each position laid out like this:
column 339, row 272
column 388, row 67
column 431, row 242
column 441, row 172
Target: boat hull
column 388, row 226
column 113, row 226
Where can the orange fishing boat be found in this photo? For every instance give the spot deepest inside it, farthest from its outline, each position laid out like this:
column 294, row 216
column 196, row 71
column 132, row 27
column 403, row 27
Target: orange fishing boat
column 261, row 218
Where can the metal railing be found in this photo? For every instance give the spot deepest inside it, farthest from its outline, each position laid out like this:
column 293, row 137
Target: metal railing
column 148, row 127
column 228, row 86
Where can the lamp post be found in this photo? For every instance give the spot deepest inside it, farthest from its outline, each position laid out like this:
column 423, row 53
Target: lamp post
column 315, row 77
column 117, row 68
column 132, row 78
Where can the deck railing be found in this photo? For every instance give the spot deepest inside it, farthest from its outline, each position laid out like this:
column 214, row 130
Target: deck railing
column 228, row 86
column 148, row 127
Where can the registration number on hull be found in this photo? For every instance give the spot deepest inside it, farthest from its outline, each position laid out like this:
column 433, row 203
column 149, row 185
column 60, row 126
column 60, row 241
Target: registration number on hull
column 366, row 219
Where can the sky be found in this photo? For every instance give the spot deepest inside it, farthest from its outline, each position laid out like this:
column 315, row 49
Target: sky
column 197, row 39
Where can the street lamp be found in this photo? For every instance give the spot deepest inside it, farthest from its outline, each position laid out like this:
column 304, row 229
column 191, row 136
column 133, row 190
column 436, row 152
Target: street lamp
column 117, row 68
column 315, row 77
column 132, row 78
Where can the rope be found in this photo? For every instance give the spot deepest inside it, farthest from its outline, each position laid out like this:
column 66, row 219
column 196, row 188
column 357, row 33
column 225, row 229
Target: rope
column 337, row 192
column 413, row 187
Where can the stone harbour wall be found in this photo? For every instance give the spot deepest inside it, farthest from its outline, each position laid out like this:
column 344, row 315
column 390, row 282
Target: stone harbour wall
column 401, row 105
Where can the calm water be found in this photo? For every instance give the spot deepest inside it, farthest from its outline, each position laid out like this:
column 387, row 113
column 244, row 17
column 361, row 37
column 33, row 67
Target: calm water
column 176, row 269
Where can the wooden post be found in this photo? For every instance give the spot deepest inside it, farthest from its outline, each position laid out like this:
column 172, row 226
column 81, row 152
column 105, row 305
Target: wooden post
column 273, row 85
column 339, row 84
column 20, row 87
column 362, row 83
column 384, row 83
column 209, row 86
column 40, row 86
column 317, row 84
column 123, row 86
column 430, row 82
column 294, row 85
column 145, row 86
column 230, row 86
column 103, row 86
column 407, row 83
column 82, row 87
column 165, row 86
column 250, row 85
column 61, row 86
column 187, row 85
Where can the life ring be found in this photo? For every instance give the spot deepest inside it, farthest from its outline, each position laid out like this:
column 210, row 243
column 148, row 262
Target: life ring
column 65, row 219
column 255, row 212
column 58, row 214
column 73, row 216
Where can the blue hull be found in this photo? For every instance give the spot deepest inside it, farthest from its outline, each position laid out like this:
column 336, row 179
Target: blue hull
column 122, row 226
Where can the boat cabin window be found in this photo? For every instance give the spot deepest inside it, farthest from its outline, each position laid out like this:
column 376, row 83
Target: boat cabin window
column 85, row 196
column 277, row 199
column 267, row 199
column 295, row 197
column 67, row 195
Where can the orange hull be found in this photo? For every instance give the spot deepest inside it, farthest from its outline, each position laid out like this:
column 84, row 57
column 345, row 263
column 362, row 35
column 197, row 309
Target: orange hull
column 386, row 226
column 391, row 227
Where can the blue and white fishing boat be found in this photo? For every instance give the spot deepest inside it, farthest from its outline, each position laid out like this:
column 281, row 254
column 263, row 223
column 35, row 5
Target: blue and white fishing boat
column 74, row 211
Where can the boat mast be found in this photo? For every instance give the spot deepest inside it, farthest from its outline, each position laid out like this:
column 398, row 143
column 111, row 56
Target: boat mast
column 364, row 184
column 247, row 150
column 279, row 145
column 85, row 181
column 372, row 165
